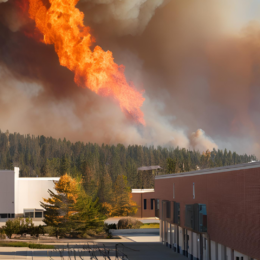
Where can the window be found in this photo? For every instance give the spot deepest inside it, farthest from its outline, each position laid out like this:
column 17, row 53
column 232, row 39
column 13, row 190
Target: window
column 176, row 213
column 168, row 209
column 158, row 204
column 28, row 215
column 151, row 204
column 173, row 191
column 3, row 215
column 193, row 190
column 157, row 208
column 205, row 243
column 144, row 203
column 38, row 214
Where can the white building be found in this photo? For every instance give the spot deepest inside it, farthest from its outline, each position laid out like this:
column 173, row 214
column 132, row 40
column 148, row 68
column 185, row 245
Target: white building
column 20, row 197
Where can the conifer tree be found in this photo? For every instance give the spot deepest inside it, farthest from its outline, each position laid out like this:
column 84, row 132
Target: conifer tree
column 61, row 205
column 122, row 201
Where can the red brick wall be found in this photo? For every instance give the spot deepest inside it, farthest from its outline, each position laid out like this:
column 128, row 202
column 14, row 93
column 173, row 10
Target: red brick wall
column 233, row 205
column 148, row 213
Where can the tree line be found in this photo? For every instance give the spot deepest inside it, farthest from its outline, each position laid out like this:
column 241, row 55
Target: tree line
column 102, row 164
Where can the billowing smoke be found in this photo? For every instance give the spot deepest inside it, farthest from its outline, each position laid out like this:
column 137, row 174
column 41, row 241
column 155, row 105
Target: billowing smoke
column 199, row 141
column 198, row 62
column 128, row 16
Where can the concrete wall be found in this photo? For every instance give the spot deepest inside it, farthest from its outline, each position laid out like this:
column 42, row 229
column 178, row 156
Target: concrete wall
column 7, row 192
column 17, row 194
column 31, row 191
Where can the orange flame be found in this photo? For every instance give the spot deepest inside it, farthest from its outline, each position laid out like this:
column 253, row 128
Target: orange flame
column 62, row 25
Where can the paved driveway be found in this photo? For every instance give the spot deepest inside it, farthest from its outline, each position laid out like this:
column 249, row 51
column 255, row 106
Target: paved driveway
column 133, row 251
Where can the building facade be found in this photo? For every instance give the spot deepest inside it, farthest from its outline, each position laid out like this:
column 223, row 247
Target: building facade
column 20, row 197
column 210, row 214
column 144, row 198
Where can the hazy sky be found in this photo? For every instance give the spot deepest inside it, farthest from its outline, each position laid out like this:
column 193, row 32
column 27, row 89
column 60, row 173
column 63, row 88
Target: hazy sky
column 198, row 62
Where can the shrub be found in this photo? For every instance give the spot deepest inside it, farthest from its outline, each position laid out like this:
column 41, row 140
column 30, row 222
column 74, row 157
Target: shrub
column 40, row 246
column 55, row 231
column 24, row 244
column 13, row 244
column 129, row 223
column 49, row 230
column 2, row 233
column 12, row 227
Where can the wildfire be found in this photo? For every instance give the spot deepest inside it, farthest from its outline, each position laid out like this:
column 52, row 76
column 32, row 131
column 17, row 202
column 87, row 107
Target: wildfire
column 61, row 24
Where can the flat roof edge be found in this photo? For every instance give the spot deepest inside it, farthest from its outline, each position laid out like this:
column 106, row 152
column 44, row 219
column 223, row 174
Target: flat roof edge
column 142, row 190
column 40, row 179
column 210, row 171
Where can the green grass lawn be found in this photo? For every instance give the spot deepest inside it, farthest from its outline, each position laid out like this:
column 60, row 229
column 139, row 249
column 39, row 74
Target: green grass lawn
column 150, row 225
column 24, row 244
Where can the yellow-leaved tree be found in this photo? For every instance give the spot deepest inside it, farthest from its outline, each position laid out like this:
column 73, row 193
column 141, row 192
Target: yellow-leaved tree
column 61, row 205
column 70, row 209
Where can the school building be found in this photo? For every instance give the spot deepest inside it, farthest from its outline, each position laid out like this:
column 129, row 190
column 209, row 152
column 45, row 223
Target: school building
column 211, row 214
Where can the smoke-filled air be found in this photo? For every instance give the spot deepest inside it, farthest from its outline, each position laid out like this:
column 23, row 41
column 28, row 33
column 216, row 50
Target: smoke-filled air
column 151, row 72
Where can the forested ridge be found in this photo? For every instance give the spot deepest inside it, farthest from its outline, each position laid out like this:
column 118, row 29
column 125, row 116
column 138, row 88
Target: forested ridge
column 46, row 156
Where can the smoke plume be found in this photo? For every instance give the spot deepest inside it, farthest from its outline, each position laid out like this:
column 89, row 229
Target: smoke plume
column 128, row 16
column 199, row 141
column 198, row 62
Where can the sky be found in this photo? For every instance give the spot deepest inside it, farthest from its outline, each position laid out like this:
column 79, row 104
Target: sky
column 197, row 62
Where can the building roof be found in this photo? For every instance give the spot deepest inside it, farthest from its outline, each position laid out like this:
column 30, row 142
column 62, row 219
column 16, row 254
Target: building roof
column 39, row 178
column 149, row 168
column 229, row 168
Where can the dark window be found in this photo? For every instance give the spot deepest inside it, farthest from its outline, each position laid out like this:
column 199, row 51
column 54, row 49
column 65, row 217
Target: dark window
column 3, row 215
column 12, row 215
column 189, row 216
column 205, row 243
column 28, row 214
column 168, row 209
column 157, row 208
column 38, row 214
column 176, row 214
column 151, row 203
column 237, row 258
column 144, row 203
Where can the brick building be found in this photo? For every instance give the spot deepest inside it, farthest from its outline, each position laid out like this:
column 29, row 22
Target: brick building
column 208, row 214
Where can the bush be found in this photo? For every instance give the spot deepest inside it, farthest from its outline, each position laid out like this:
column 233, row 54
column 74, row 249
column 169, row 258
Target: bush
column 2, row 233
column 13, row 244
column 55, row 231
column 40, row 246
column 24, row 244
column 12, row 227
column 129, row 223
column 22, row 226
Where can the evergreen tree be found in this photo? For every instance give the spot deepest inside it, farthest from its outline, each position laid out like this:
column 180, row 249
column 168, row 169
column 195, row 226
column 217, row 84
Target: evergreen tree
column 61, row 205
column 122, row 203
